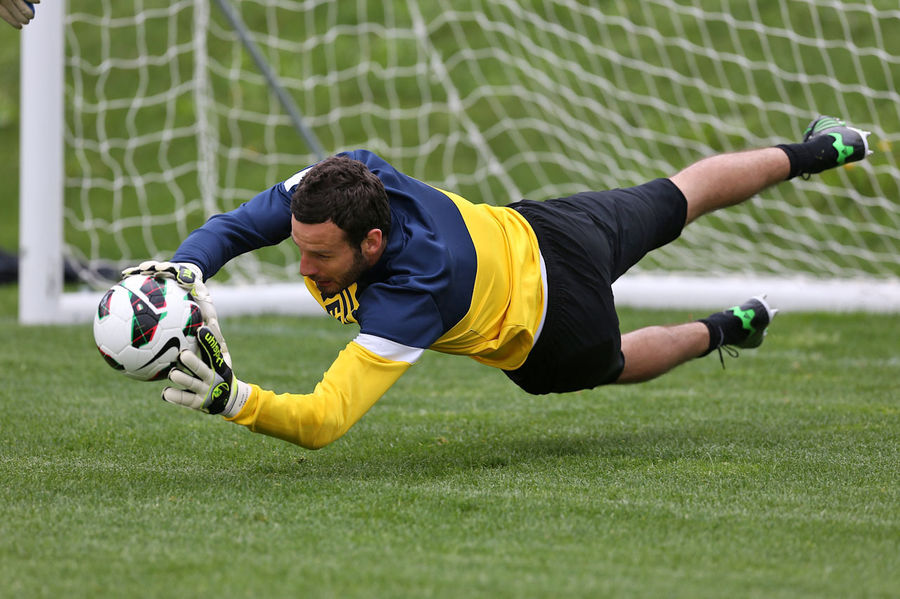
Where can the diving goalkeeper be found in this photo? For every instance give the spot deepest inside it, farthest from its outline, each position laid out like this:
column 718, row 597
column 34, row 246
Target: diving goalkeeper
column 525, row 288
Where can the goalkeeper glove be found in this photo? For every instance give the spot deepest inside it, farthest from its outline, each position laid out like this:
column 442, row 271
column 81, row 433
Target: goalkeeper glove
column 190, row 278
column 17, row 12
column 206, row 382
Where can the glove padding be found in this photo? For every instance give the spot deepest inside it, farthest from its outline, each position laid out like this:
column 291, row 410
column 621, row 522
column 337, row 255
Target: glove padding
column 190, row 278
column 17, row 12
column 184, row 273
column 206, row 382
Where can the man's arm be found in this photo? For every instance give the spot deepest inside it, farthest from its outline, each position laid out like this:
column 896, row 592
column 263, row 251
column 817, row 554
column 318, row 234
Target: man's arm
column 356, row 380
column 263, row 221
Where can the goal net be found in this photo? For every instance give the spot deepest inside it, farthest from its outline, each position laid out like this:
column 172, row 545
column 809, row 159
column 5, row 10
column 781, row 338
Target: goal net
column 167, row 120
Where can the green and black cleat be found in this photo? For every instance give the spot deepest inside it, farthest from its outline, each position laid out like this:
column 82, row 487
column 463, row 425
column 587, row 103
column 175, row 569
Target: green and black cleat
column 850, row 144
column 742, row 326
column 755, row 316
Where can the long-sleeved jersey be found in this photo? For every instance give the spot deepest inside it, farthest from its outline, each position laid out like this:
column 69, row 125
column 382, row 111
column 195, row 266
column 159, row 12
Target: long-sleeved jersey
column 455, row 277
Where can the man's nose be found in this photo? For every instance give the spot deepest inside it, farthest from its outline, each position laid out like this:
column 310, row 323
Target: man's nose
column 307, row 268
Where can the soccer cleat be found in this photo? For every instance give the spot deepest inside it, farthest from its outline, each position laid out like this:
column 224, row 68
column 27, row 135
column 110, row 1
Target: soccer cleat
column 850, row 144
column 755, row 315
column 741, row 326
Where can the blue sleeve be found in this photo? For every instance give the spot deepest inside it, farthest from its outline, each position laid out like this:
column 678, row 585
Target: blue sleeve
column 265, row 220
column 406, row 316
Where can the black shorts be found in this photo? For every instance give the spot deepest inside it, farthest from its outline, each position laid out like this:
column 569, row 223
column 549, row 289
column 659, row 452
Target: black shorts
column 589, row 240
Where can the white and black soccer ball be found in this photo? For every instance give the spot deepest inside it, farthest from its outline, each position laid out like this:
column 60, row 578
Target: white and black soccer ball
column 143, row 323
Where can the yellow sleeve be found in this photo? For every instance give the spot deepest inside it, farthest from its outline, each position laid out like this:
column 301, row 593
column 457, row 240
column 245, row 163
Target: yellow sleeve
column 356, row 380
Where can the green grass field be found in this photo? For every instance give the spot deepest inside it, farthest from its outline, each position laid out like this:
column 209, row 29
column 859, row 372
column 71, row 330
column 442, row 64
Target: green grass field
column 777, row 477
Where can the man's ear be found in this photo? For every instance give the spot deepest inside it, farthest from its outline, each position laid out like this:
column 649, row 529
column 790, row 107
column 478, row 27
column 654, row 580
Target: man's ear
column 371, row 246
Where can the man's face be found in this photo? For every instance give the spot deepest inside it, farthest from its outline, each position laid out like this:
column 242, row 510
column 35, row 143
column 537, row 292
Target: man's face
column 327, row 258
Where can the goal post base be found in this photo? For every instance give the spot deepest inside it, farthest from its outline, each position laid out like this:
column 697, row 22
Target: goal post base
column 795, row 293
column 676, row 292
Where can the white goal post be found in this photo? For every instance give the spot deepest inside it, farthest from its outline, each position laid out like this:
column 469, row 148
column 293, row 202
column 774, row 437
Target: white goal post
column 140, row 120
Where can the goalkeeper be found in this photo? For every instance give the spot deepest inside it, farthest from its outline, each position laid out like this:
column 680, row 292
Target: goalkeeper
column 525, row 288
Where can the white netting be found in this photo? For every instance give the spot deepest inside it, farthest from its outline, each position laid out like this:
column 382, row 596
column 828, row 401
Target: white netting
column 168, row 120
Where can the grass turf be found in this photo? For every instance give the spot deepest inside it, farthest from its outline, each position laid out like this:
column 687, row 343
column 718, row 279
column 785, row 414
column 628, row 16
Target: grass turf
column 775, row 478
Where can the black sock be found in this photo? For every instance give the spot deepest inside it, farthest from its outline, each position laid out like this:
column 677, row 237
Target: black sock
column 725, row 328
column 716, row 334
column 813, row 156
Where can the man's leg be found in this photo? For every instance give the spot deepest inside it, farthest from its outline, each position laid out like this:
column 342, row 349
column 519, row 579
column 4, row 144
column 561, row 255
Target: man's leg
column 729, row 179
column 652, row 351
column 712, row 183
column 707, row 185
column 722, row 181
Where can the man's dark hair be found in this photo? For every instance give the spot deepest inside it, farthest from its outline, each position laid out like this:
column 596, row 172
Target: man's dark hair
column 345, row 192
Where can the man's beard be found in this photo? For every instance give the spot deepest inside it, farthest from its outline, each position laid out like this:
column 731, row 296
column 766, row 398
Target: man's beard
column 358, row 267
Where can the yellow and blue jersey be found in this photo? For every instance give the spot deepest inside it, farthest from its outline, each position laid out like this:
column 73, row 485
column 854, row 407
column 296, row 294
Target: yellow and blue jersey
column 455, row 277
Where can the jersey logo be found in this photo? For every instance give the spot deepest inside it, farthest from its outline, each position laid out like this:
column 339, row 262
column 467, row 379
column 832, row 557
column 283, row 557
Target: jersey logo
column 342, row 306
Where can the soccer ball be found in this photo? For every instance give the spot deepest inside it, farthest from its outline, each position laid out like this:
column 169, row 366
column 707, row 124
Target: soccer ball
column 143, row 323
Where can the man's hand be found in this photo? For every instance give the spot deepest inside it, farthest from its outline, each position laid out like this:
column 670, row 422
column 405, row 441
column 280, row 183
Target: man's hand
column 206, row 384
column 190, row 277
column 185, row 274
column 17, row 12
